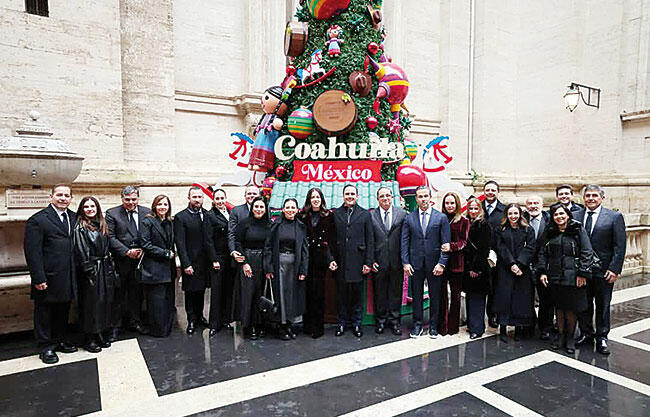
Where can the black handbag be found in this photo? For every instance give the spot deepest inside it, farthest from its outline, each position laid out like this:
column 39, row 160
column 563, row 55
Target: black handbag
column 267, row 307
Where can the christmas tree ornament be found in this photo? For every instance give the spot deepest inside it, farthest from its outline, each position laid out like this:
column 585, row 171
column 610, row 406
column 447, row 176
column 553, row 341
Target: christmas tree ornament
column 267, row 186
column 410, row 177
column 405, row 161
column 334, row 40
column 300, row 123
column 361, row 82
column 335, row 112
column 313, row 70
column 326, row 9
column 411, row 149
column 375, row 16
column 393, row 87
column 280, row 172
column 268, row 129
column 373, row 48
column 371, row 122
column 295, row 38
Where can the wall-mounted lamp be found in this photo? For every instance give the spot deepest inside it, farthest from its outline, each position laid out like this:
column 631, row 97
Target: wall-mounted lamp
column 574, row 94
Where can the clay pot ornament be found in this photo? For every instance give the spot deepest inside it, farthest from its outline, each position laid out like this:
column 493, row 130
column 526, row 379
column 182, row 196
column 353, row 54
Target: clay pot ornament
column 375, row 16
column 361, row 82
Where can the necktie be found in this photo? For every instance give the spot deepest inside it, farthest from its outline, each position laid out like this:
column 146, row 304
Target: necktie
column 386, row 221
column 588, row 223
column 424, row 223
column 489, row 209
column 535, row 223
column 349, row 214
column 132, row 221
column 64, row 220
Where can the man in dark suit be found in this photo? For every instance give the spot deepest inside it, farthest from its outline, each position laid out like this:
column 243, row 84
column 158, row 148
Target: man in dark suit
column 423, row 234
column 50, row 259
column 564, row 195
column 606, row 230
column 237, row 214
column 354, row 254
column 538, row 220
column 493, row 209
column 191, row 249
column 124, row 224
column 387, row 221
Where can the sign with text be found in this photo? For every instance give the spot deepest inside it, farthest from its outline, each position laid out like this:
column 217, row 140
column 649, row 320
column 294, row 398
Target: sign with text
column 337, row 171
column 27, row 198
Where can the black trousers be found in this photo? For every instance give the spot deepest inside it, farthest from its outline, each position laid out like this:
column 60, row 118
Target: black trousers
column 126, row 308
column 349, row 302
column 600, row 292
column 194, row 303
column 417, row 291
column 314, row 318
column 546, row 310
column 475, row 305
column 50, row 323
column 494, row 275
column 221, row 294
column 388, row 296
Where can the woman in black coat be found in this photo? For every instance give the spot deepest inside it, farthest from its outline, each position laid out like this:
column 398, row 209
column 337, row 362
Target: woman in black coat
column 215, row 232
column 565, row 262
column 159, row 267
column 321, row 237
column 286, row 256
column 96, row 274
column 250, row 237
column 514, row 287
column 476, row 275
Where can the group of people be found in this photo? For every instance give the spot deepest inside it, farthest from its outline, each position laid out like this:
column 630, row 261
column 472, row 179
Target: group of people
column 267, row 274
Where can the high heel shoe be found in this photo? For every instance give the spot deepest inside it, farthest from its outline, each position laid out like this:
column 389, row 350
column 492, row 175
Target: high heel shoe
column 503, row 335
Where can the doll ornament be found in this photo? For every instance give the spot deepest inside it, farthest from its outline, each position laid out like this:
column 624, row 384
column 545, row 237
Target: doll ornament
column 334, row 40
column 267, row 131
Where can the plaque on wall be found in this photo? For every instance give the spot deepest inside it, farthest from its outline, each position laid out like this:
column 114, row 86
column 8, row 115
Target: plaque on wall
column 27, row 199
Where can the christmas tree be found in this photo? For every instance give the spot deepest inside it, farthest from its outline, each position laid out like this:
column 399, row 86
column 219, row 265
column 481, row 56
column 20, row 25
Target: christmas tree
column 340, row 83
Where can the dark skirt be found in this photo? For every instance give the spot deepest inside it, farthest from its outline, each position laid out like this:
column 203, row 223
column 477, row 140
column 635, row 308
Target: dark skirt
column 160, row 308
column 290, row 290
column 95, row 300
column 247, row 291
column 569, row 298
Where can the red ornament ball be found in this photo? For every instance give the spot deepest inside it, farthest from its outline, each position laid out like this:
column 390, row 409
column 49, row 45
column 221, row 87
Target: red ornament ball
column 291, row 70
column 280, row 171
column 410, row 177
column 373, row 48
column 372, row 122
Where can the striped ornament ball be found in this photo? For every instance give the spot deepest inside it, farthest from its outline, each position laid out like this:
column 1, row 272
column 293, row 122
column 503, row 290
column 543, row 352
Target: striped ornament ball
column 325, row 9
column 301, row 123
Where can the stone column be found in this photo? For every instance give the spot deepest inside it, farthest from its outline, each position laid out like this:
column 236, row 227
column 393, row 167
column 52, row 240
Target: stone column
column 148, row 83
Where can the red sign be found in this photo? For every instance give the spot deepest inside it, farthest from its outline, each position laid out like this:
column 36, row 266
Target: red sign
column 332, row 171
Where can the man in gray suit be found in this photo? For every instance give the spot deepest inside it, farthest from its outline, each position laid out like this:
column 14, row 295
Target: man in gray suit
column 606, row 230
column 387, row 221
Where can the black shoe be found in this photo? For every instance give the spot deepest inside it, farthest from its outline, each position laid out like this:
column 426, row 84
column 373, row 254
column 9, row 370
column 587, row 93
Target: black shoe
column 416, row 331
column 261, row 333
column 584, row 340
column 545, row 335
column 228, row 326
column 103, row 342
column 283, row 333
column 92, row 347
column 253, row 334
column 318, row 334
column 570, row 345
column 191, row 326
column 292, row 334
column 204, row 322
column 503, row 334
column 339, row 331
column 601, row 347
column 357, row 331
column 433, row 333
column 474, row 336
column 492, row 321
column 48, row 356
column 379, row 329
column 113, row 334
column 518, row 332
column 555, row 344
column 65, row 348
column 213, row 332
column 397, row 331
column 138, row 327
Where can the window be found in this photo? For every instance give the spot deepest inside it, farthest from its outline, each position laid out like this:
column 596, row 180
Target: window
column 38, row 7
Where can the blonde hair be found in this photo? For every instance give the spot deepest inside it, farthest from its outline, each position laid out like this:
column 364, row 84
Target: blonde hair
column 481, row 212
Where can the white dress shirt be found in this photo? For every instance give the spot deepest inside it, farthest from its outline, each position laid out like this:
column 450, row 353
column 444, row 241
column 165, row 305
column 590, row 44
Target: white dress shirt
column 594, row 218
column 383, row 212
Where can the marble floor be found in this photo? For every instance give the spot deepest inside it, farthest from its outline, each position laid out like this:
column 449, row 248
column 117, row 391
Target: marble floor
column 377, row 375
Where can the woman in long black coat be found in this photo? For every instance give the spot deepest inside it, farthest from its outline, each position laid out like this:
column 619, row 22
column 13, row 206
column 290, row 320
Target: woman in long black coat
column 565, row 262
column 159, row 267
column 514, row 288
column 215, row 232
column 476, row 275
column 96, row 274
column 250, row 237
column 286, row 256
column 321, row 236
